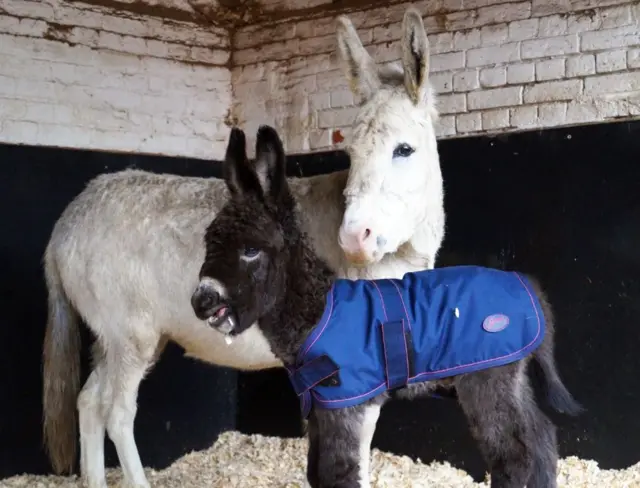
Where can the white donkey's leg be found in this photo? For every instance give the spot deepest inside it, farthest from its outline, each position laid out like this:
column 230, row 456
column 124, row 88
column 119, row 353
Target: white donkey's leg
column 126, row 369
column 91, row 421
column 371, row 415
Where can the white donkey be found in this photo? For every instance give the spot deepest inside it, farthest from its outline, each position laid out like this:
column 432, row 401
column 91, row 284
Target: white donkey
column 125, row 255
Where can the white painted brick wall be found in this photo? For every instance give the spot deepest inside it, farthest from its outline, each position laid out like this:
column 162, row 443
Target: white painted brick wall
column 496, row 65
column 87, row 77
column 76, row 75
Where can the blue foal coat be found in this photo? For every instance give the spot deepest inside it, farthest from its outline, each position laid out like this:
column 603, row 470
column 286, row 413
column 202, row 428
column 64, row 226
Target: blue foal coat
column 378, row 335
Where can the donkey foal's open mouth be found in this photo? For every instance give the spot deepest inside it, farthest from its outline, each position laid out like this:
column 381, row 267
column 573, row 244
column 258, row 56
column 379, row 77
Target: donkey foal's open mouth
column 223, row 320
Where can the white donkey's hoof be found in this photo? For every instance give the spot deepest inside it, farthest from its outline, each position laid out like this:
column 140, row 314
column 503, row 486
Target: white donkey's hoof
column 135, row 485
column 94, row 484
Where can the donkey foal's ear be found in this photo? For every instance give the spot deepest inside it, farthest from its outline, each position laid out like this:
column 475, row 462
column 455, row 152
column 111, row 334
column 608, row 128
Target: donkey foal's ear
column 270, row 165
column 415, row 55
column 238, row 174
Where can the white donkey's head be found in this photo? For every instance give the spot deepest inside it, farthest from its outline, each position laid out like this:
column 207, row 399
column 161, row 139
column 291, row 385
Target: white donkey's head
column 395, row 177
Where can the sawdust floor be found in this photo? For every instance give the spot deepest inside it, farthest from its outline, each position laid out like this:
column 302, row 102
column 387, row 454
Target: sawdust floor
column 241, row 461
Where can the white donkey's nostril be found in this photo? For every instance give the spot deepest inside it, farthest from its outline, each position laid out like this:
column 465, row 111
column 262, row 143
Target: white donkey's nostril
column 352, row 240
column 360, row 237
column 356, row 244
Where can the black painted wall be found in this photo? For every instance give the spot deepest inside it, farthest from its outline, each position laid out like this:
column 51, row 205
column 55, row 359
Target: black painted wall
column 563, row 204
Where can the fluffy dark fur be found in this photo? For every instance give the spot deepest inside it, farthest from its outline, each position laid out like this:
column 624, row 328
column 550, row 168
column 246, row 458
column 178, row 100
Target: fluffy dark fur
column 256, row 250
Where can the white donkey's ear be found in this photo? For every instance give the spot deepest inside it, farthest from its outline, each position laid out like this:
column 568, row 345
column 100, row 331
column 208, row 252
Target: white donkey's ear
column 358, row 67
column 415, row 56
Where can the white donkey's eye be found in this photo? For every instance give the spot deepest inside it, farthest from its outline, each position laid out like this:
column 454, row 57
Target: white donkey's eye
column 403, row 150
column 250, row 253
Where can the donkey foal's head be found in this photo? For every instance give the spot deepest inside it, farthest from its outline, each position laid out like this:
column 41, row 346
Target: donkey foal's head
column 246, row 263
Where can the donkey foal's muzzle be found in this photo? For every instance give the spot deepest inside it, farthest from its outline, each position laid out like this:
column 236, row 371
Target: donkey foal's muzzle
column 209, row 305
column 205, row 302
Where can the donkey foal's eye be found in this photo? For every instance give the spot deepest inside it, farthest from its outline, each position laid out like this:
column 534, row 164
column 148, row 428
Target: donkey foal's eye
column 250, row 252
column 403, row 151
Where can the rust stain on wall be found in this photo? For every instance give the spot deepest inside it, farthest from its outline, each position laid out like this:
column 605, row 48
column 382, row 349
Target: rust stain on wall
column 230, row 119
column 141, row 7
column 584, row 14
column 333, row 8
column 58, row 32
column 232, row 14
column 441, row 20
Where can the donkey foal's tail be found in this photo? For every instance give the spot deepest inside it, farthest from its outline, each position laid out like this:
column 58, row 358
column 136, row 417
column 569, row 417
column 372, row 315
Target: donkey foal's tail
column 557, row 394
column 61, row 374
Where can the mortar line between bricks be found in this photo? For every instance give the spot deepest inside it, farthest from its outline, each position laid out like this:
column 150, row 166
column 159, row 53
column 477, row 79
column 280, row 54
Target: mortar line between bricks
column 111, row 50
column 444, row 53
column 49, row 22
column 71, row 43
column 577, row 8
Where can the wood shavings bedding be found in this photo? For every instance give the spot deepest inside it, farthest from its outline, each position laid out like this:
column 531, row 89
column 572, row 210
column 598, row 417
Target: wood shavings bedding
column 241, row 461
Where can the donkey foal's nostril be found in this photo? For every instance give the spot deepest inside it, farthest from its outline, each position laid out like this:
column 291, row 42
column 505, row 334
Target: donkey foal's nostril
column 211, row 299
column 367, row 233
column 203, row 301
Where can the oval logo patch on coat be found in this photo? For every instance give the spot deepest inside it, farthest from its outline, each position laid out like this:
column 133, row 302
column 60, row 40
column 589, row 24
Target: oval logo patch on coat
column 495, row 322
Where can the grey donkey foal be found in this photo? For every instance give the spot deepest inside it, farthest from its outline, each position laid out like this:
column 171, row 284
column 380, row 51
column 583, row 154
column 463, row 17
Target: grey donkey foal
column 261, row 268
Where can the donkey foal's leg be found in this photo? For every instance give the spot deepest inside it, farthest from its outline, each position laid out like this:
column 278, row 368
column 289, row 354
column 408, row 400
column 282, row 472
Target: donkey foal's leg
column 126, row 371
column 369, row 421
column 495, row 402
column 545, row 466
column 313, row 455
column 342, row 446
column 92, row 428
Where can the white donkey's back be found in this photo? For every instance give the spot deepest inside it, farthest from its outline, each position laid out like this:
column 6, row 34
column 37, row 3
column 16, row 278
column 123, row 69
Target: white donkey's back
column 128, row 246
column 126, row 253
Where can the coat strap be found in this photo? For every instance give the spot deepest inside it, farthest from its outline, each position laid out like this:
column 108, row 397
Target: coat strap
column 396, row 335
column 321, row 370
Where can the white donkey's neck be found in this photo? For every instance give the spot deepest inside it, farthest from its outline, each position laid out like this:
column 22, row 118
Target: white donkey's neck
column 421, row 250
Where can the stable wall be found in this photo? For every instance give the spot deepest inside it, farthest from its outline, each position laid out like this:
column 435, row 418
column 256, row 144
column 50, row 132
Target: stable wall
column 496, row 65
column 79, row 76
